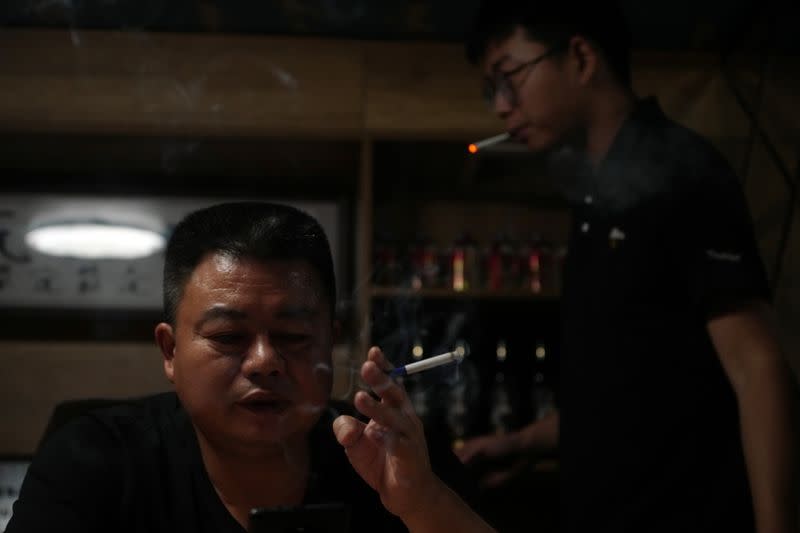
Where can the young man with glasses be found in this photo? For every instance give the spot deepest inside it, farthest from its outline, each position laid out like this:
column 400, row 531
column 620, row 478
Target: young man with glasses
column 676, row 406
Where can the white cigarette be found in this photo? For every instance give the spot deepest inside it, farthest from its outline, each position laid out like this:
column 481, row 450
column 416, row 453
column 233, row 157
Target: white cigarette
column 431, row 362
column 485, row 143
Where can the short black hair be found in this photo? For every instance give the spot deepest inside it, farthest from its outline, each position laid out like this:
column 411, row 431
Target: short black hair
column 553, row 23
column 255, row 230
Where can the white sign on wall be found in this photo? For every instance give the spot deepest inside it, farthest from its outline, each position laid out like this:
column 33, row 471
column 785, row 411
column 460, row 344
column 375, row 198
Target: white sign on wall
column 33, row 280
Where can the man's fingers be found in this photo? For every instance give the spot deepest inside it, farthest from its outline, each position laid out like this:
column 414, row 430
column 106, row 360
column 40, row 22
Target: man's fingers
column 391, row 409
column 382, row 413
column 348, row 430
column 384, row 386
column 467, row 452
column 375, row 355
column 496, row 479
column 501, row 477
column 361, row 447
column 474, row 449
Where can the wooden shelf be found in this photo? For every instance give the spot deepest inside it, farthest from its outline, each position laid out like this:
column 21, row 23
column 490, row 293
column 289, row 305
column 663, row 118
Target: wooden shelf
column 448, row 294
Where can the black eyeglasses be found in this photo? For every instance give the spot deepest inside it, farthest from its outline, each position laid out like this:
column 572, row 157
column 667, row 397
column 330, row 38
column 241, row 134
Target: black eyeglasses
column 501, row 84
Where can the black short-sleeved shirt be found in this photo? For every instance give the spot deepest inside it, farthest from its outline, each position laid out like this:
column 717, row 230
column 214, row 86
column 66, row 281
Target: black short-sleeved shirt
column 660, row 243
column 137, row 468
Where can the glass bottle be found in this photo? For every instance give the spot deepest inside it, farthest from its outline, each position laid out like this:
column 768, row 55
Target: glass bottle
column 543, row 398
column 418, row 392
column 501, row 411
column 462, row 393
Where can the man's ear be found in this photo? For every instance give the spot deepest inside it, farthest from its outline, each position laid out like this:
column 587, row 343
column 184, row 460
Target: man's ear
column 586, row 57
column 165, row 339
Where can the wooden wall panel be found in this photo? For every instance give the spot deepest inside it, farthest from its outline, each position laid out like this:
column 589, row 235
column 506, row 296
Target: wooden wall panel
column 692, row 91
column 37, row 376
column 424, row 90
column 233, row 85
column 145, row 83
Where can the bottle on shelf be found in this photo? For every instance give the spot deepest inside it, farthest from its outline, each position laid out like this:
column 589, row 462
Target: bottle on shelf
column 509, row 253
column 414, row 255
column 445, row 260
column 423, row 258
column 418, row 391
column 500, row 416
column 457, row 415
column 493, row 265
column 462, row 396
column 430, row 272
column 542, row 392
column 532, row 265
column 465, row 269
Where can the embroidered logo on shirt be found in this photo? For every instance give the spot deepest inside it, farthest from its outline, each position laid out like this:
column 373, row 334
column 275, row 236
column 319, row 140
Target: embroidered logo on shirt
column 724, row 256
column 615, row 237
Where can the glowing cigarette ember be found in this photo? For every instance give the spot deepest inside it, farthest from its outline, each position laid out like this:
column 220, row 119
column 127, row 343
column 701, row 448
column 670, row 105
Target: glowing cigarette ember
column 485, row 143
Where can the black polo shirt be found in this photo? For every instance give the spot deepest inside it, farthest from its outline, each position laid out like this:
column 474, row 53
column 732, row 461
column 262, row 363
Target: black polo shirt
column 661, row 241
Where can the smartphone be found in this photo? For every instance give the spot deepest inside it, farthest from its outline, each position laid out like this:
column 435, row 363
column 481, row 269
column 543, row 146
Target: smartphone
column 316, row 518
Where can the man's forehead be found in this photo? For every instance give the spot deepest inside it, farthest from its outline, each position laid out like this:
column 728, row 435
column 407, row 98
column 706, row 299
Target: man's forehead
column 220, row 272
column 294, row 270
column 291, row 309
column 517, row 46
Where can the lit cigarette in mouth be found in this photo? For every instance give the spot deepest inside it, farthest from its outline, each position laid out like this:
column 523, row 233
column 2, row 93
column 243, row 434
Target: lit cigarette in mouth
column 485, row 143
column 432, row 362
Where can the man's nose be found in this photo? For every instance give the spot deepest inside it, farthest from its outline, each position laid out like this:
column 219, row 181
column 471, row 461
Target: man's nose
column 263, row 359
column 501, row 104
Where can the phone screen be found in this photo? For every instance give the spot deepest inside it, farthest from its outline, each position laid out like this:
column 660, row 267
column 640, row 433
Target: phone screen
column 317, row 518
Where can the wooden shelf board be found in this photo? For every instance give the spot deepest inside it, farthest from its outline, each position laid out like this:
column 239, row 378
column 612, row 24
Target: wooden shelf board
column 477, row 294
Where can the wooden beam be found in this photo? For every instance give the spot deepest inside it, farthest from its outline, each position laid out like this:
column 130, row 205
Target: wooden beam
column 424, row 90
column 175, row 84
column 211, row 85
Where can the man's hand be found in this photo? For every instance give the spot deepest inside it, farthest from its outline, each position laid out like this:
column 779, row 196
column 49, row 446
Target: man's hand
column 498, row 456
column 390, row 452
column 503, row 457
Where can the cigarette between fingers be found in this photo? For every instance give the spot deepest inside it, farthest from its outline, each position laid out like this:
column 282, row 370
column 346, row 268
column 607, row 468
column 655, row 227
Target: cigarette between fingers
column 427, row 364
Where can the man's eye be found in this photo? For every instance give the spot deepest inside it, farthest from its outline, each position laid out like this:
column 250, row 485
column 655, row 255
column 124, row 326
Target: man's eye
column 292, row 339
column 228, row 339
column 298, row 337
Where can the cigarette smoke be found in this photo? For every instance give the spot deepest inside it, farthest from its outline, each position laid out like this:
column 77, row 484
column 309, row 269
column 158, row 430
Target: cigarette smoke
column 615, row 186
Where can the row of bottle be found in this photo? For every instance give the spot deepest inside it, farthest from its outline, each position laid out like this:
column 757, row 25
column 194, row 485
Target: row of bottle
column 466, row 389
column 532, row 264
column 542, row 397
